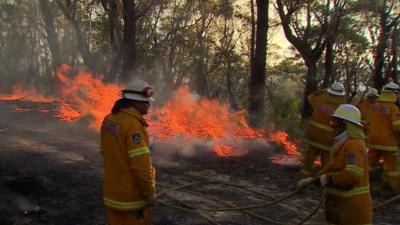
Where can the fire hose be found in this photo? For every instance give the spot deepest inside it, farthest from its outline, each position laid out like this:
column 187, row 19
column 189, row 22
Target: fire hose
column 227, row 204
column 230, row 207
column 386, row 202
column 195, row 210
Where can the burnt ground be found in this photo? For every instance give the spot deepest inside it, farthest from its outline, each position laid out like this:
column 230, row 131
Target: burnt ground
column 58, row 166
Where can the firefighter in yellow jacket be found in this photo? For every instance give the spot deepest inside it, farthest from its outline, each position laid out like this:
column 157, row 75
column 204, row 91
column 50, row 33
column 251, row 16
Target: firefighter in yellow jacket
column 383, row 135
column 367, row 104
column 319, row 135
column 129, row 177
column 345, row 178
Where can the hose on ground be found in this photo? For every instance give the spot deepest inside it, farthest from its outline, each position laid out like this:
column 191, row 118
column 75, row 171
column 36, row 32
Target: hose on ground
column 265, row 219
column 315, row 211
column 188, row 210
column 276, row 201
column 194, row 210
column 386, row 202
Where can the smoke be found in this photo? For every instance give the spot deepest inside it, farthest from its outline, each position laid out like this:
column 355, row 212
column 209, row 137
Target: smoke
column 166, row 152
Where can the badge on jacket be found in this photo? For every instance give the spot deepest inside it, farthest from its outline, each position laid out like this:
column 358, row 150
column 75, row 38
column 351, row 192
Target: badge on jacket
column 136, row 138
column 351, row 159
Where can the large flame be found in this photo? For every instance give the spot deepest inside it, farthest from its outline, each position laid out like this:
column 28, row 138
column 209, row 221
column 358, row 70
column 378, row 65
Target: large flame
column 85, row 95
column 187, row 115
column 184, row 114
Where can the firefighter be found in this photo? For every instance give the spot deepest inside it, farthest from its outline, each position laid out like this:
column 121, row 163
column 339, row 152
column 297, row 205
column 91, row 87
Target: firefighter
column 319, row 135
column 129, row 177
column 383, row 135
column 345, row 179
column 367, row 104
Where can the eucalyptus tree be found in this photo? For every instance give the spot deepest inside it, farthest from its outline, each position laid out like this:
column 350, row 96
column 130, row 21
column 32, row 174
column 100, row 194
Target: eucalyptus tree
column 308, row 26
column 381, row 19
column 258, row 65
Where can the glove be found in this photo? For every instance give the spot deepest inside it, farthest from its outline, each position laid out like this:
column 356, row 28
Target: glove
column 138, row 213
column 151, row 200
column 151, row 143
column 304, row 182
column 324, row 179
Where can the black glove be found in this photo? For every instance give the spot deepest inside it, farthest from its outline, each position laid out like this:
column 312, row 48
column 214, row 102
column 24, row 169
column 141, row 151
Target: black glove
column 138, row 213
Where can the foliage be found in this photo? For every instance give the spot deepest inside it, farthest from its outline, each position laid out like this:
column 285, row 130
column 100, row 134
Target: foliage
column 177, row 40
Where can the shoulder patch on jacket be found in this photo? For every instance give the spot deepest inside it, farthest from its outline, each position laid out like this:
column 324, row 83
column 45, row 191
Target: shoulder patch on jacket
column 350, row 159
column 136, row 138
column 110, row 127
column 381, row 109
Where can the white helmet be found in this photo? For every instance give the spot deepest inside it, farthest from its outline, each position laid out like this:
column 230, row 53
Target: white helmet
column 138, row 90
column 337, row 89
column 349, row 113
column 391, row 87
column 372, row 93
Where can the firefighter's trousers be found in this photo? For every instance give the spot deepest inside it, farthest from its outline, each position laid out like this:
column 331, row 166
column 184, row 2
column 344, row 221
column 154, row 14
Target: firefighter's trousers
column 310, row 156
column 390, row 166
column 117, row 217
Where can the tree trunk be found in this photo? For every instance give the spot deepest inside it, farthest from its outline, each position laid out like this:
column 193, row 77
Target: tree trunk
column 229, row 84
column 201, row 76
column 258, row 67
column 329, row 58
column 82, row 43
column 52, row 38
column 311, row 85
column 128, row 48
column 381, row 48
column 253, row 32
column 115, row 50
column 395, row 53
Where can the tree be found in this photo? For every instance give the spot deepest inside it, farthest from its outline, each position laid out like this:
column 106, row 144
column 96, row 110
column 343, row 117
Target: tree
column 69, row 9
column 258, row 65
column 52, row 38
column 386, row 25
column 309, row 39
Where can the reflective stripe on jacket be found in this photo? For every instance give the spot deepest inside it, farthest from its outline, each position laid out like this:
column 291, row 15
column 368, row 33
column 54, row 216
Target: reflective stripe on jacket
column 129, row 177
column 384, row 124
column 318, row 132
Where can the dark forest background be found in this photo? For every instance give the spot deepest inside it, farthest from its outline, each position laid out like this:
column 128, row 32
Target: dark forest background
column 223, row 49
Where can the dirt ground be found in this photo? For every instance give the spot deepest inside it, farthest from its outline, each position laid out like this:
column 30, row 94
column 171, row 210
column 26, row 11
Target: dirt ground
column 64, row 158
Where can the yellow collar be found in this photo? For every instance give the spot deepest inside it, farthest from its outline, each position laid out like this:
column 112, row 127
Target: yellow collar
column 133, row 112
column 387, row 97
column 354, row 131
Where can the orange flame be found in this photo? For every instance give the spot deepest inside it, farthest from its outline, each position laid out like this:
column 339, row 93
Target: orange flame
column 68, row 113
column 21, row 109
column 44, row 110
column 90, row 95
column 184, row 114
column 281, row 137
column 28, row 94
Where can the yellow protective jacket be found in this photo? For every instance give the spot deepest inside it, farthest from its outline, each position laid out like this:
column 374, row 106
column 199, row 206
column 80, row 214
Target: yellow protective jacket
column 318, row 132
column 129, row 177
column 364, row 108
column 384, row 123
column 348, row 199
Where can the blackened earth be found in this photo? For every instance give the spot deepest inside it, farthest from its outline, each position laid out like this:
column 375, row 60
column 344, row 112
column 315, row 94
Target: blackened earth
column 55, row 171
